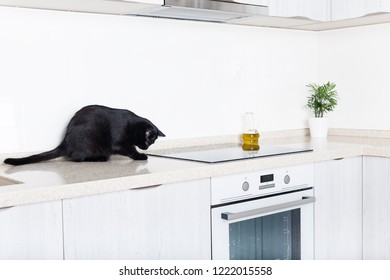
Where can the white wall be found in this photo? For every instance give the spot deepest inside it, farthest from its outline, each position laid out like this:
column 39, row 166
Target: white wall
column 358, row 61
column 192, row 79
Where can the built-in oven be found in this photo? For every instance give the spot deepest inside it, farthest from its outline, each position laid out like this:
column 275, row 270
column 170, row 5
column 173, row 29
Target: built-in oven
column 264, row 215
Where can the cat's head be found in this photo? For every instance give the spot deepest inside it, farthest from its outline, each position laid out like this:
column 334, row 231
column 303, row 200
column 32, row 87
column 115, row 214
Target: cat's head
column 148, row 136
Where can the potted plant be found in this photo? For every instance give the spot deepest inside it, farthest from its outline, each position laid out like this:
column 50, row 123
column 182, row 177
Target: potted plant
column 323, row 99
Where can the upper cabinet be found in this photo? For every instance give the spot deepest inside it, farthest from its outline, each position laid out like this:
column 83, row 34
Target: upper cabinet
column 331, row 14
column 327, row 10
column 347, row 9
column 119, row 7
column 314, row 10
column 292, row 14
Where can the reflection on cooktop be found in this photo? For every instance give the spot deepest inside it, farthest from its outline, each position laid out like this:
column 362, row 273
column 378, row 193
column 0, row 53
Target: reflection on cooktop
column 231, row 154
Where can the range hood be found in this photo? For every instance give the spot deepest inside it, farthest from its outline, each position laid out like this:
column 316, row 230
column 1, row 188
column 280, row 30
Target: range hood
column 209, row 10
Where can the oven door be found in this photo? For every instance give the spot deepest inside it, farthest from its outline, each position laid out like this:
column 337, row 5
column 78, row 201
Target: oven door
column 277, row 227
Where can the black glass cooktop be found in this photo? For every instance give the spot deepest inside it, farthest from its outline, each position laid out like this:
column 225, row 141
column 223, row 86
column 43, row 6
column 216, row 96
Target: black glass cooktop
column 231, row 154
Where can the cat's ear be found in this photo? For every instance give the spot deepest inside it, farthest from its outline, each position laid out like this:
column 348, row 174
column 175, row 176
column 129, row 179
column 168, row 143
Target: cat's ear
column 159, row 133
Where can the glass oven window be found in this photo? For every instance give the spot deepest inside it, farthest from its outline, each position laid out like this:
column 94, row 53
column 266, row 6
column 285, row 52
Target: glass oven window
column 271, row 237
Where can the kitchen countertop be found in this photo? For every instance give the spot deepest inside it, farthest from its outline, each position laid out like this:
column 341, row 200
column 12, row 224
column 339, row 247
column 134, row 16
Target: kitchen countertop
column 59, row 179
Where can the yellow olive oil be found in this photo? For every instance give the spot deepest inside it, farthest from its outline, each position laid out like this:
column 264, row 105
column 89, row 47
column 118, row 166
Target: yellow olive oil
column 250, row 147
column 250, row 137
column 250, row 141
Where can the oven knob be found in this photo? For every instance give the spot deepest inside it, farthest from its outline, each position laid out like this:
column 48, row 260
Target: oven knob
column 245, row 186
column 286, row 179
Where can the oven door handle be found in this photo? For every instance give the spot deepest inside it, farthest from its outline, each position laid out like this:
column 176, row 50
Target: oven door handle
column 234, row 216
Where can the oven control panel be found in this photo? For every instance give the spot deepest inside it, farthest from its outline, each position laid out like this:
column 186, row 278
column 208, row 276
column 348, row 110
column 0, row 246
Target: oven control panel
column 230, row 188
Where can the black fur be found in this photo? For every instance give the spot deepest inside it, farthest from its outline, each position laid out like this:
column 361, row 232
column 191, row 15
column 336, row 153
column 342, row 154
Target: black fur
column 97, row 132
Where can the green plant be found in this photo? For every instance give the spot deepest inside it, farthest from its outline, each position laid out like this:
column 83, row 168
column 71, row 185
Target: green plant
column 323, row 98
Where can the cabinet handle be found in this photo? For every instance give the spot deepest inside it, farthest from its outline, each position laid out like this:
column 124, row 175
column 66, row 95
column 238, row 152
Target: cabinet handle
column 6, row 208
column 341, row 158
column 146, row 187
column 234, row 216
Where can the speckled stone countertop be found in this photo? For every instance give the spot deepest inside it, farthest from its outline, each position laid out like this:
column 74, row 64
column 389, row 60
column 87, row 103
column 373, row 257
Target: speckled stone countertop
column 60, row 179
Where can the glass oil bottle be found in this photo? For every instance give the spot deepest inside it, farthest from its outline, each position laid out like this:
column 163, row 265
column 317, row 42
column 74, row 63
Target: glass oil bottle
column 251, row 136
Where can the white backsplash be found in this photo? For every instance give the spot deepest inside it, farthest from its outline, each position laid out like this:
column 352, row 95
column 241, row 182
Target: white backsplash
column 192, row 79
column 358, row 60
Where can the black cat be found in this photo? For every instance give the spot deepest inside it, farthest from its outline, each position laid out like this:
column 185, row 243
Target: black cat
column 97, row 132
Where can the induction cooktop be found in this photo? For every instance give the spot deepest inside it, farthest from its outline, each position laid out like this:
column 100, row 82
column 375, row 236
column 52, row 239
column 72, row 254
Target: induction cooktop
column 231, row 154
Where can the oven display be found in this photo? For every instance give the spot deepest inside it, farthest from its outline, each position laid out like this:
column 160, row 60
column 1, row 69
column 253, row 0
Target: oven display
column 266, row 178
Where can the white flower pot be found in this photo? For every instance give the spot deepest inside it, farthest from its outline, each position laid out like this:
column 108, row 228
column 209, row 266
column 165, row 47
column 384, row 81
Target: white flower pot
column 318, row 127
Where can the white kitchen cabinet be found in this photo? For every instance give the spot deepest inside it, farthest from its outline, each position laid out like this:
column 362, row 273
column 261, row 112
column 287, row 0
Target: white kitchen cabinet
column 166, row 222
column 376, row 208
column 327, row 10
column 315, row 10
column 345, row 9
column 338, row 209
column 31, row 231
column 93, row 6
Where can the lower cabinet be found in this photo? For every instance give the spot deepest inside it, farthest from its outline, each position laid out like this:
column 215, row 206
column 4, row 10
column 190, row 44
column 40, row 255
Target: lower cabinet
column 376, row 208
column 338, row 209
column 31, row 231
column 172, row 221
column 165, row 222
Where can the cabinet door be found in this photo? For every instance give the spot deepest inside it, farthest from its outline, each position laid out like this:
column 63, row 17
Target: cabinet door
column 166, row 222
column 338, row 209
column 345, row 9
column 31, row 231
column 376, row 208
column 315, row 10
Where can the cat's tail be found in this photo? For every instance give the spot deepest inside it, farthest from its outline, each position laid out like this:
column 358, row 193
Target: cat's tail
column 57, row 152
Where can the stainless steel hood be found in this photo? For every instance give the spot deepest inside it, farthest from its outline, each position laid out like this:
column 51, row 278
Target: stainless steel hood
column 209, row 10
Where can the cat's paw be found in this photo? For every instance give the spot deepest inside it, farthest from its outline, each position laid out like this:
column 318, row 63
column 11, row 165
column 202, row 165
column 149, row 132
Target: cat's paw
column 139, row 156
